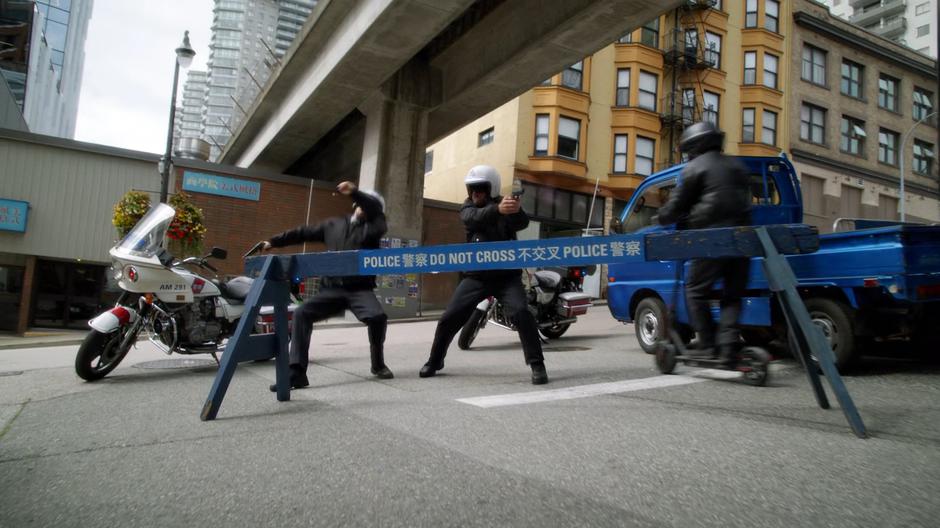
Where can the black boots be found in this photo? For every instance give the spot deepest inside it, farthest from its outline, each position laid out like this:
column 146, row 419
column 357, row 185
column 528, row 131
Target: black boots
column 382, row 372
column 427, row 370
column 298, row 380
column 539, row 376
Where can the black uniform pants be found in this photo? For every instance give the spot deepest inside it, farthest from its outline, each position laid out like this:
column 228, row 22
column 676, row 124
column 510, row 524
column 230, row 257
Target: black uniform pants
column 333, row 301
column 698, row 286
column 471, row 290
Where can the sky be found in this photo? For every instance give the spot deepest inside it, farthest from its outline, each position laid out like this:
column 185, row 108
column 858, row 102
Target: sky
column 128, row 77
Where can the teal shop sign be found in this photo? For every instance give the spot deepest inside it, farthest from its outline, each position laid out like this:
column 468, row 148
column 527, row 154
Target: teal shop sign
column 13, row 215
column 220, row 185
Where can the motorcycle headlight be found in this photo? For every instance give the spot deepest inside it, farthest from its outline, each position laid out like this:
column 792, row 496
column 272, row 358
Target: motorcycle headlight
column 131, row 273
column 116, row 271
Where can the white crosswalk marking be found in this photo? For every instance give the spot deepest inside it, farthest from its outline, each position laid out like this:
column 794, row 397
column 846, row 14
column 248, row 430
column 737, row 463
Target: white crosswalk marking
column 597, row 389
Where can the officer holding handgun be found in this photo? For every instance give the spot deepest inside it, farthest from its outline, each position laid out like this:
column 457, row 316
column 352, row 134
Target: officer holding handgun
column 488, row 217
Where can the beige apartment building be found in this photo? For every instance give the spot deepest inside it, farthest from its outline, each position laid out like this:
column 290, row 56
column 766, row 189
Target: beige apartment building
column 610, row 120
column 864, row 106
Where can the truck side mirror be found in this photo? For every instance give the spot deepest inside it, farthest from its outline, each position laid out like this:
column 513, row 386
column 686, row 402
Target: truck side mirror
column 616, row 226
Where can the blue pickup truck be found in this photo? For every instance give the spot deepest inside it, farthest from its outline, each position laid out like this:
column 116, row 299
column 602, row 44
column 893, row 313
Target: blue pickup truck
column 878, row 282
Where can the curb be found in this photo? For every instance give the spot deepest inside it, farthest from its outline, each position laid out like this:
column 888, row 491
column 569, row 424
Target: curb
column 345, row 324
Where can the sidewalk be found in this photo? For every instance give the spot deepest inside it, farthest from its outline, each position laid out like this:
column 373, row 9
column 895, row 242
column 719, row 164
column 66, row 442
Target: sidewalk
column 45, row 337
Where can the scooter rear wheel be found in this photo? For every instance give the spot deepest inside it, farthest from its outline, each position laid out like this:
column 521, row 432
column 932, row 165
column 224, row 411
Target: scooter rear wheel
column 666, row 357
column 754, row 363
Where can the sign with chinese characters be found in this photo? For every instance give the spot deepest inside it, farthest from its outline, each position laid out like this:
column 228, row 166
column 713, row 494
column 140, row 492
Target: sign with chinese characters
column 221, row 186
column 13, row 215
column 514, row 254
column 573, row 251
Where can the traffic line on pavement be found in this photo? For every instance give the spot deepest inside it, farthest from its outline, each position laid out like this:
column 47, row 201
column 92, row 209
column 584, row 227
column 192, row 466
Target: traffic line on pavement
column 597, row 389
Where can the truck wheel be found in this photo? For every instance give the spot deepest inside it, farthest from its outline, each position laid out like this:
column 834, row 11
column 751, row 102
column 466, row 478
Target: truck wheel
column 836, row 321
column 649, row 322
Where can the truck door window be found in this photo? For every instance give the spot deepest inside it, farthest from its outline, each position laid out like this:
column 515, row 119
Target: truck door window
column 646, row 206
column 758, row 196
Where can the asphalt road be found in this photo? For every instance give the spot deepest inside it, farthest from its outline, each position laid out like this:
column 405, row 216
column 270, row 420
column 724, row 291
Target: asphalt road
column 464, row 448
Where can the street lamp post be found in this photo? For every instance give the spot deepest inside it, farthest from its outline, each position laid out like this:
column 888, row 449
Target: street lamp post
column 901, row 158
column 184, row 57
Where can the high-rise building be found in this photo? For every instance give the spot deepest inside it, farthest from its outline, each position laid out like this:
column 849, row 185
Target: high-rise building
column 188, row 128
column 291, row 16
column 776, row 76
column 840, row 8
column 43, row 59
column 248, row 39
column 236, row 68
column 909, row 22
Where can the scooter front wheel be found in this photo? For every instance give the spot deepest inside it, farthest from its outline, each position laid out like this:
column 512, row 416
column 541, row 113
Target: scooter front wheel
column 99, row 354
column 665, row 357
column 754, row 363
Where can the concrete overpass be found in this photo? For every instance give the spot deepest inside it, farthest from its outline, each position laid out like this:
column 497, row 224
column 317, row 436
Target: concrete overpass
column 368, row 84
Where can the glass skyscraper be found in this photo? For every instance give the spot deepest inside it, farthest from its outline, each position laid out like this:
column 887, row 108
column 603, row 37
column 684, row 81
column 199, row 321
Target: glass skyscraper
column 43, row 59
column 248, row 39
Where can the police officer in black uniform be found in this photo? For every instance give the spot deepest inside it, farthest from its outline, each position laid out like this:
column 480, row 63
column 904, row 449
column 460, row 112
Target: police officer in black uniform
column 363, row 229
column 488, row 217
column 713, row 192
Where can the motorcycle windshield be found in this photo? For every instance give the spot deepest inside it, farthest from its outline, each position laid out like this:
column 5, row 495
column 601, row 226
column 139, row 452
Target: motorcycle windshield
column 146, row 238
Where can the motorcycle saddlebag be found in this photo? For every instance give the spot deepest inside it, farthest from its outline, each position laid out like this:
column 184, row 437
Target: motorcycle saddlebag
column 573, row 304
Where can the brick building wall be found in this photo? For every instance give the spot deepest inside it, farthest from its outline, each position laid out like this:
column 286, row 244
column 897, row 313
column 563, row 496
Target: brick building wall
column 236, row 225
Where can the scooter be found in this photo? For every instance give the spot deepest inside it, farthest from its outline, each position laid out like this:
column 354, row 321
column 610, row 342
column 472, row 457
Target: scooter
column 751, row 361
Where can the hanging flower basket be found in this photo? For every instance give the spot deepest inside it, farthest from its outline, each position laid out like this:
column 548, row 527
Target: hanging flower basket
column 129, row 210
column 187, row 230
column 185, row 234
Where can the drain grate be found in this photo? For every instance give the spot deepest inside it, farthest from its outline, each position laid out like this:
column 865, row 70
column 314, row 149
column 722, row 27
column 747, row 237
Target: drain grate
column 566, row 349
column 176, row 363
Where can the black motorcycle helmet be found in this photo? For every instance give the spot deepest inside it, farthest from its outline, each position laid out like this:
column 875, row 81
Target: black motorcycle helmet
column 700, row 138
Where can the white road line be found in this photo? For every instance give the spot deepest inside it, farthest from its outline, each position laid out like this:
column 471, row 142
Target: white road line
column 597, row 389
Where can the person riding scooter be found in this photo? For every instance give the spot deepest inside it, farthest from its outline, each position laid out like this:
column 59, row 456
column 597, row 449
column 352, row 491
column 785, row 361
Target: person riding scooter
column 713, row 192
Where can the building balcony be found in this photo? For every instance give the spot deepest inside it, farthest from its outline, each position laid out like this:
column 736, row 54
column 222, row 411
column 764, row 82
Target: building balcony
column 691, row 5
column 886, row 9
column 690, row 57
column 676, row 112
column 890, row 30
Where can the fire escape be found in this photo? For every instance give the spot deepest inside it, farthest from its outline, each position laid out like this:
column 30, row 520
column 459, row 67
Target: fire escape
column 686, row 63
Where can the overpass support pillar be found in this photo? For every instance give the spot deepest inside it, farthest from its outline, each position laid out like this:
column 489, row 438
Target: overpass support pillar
column 394, row 145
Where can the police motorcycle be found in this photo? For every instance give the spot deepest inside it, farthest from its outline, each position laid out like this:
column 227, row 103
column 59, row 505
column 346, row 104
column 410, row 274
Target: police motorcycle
column 554, row 297
column 178, row 309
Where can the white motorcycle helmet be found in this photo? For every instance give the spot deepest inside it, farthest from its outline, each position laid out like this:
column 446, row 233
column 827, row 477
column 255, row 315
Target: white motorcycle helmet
column 483, row 175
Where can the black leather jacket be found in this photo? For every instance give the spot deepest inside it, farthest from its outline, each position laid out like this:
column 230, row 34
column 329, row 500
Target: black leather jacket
column 714, row 192
column 340, row 234
column 486, row 224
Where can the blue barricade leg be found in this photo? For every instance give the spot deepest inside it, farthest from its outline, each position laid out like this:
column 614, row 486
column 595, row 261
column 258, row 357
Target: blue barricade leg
column 281, row 358
column 803, row 355
column 808, row 338
column 269, row 288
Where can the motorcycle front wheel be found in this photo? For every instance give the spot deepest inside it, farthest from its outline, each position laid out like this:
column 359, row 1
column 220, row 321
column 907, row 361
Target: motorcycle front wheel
column 470, row 329
column 99, row 354
column 554, row 332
